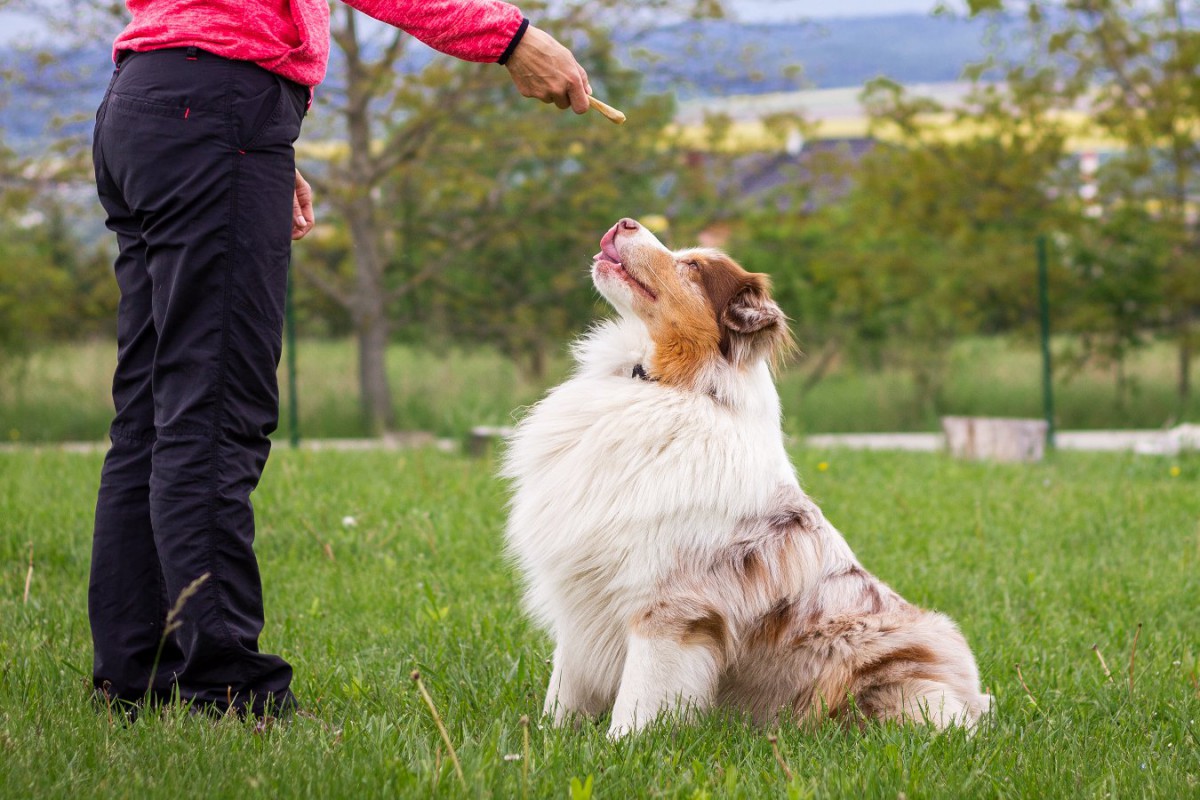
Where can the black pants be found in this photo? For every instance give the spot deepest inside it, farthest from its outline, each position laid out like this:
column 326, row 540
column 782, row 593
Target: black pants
column 195, row 169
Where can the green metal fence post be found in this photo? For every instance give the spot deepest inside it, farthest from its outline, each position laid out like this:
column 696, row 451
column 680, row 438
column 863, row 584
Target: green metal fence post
column 1047, row 367
column 290, row 327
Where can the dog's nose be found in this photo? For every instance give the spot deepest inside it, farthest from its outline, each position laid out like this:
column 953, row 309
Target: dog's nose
column 628, row 225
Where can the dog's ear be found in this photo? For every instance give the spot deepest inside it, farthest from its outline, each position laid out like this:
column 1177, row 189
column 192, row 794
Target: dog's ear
column 753, row 325
column 750, row 311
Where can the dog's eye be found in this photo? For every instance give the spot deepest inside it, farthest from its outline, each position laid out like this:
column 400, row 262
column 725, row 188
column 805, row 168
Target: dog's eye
column 692, row 265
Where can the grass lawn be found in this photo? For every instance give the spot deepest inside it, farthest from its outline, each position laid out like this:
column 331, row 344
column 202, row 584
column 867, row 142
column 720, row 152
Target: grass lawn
column 1037, row 563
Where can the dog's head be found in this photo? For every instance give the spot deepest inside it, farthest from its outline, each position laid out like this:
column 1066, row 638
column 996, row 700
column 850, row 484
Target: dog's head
column 700, row 307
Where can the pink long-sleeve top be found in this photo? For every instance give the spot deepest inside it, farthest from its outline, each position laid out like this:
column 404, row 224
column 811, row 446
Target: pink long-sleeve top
column 291, row 37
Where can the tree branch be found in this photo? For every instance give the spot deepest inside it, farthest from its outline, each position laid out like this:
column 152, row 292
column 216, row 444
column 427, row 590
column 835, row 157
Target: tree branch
column 1134, row 98
column 325, row 286
column 387, row 61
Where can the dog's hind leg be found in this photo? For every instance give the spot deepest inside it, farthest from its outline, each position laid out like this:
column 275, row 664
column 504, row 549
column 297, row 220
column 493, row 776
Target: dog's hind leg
column 942, row 708
column 663, row 675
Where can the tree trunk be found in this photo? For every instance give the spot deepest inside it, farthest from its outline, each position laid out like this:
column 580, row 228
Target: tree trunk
column 370, row 319
column 929, row 378
column 537, row 359
column 1185, row 368
column 1122, row 383
column 829, row 354
column 360, row 208
column 379, row 415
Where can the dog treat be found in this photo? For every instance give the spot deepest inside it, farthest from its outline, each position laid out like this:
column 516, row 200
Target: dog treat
column 613, row 114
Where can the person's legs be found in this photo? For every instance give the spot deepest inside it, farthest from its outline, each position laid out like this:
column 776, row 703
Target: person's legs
column 127, row 597
column 201, row 150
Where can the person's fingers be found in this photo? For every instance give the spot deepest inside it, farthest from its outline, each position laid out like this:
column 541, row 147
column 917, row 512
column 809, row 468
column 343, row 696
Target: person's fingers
column 301, row 228
column 577, row 99
column 303, row 218
column 299, row 223
column 579, row 94
column 542, row 67
column 587, row 84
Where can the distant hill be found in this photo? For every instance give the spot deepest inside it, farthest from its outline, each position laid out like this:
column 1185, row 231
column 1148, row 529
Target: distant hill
column 695, row 59
column 729, row 58
column 71, row 86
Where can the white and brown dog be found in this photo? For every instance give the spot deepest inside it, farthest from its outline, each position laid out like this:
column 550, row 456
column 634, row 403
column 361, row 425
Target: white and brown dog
column 665, row 542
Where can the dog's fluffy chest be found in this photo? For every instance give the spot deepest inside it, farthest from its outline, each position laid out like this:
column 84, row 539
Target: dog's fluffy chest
column 617, row 479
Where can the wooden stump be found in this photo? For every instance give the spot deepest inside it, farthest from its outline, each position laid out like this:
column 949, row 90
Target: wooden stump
column 995, row 438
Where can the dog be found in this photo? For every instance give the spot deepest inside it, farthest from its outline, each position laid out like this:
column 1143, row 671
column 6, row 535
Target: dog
column 665, row 542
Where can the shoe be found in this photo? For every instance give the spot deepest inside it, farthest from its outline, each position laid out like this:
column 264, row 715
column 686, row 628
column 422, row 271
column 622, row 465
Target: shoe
column 274, row 708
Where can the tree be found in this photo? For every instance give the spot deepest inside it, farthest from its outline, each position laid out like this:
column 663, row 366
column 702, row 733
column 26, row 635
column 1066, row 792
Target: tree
column 938, row 235
column 1115, row 264
column 53, row 281
column 433, row 164
column 1138, row 65
column 565, row 182
column 1144, row 60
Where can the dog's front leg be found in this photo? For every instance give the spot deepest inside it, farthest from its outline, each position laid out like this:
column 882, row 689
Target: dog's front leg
column 567, row 695
column 556, row 705
column 662, row 675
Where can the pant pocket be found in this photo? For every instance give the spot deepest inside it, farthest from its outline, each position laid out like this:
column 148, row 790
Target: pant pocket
column 254, row 113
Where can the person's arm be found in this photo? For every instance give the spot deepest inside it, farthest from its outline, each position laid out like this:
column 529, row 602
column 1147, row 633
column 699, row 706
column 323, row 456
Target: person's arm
column 471, row 30
column 491, row 31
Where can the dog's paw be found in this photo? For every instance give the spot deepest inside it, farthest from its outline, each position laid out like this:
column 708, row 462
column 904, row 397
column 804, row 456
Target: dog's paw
column 619, row 730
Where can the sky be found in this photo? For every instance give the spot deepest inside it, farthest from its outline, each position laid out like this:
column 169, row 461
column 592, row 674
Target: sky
column 16, row 26
column 771, row 10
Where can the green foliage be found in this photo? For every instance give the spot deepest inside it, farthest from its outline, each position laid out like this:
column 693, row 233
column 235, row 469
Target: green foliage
column 525, row 223
column 49, row 288
column 1037, row 563
column 934, row 238
column 52, row 286
column 30, row 288
column 1117, row 265
column 582, row 790
column 1136, row 65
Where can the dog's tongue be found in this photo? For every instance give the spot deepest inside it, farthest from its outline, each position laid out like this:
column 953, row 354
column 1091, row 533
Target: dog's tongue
column 608, row 250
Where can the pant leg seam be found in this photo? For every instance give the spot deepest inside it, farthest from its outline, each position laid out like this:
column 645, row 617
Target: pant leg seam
column 219, row 383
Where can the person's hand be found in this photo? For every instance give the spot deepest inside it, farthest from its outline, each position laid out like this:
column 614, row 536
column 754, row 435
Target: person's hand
column 302, row 210
column 543, row 68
